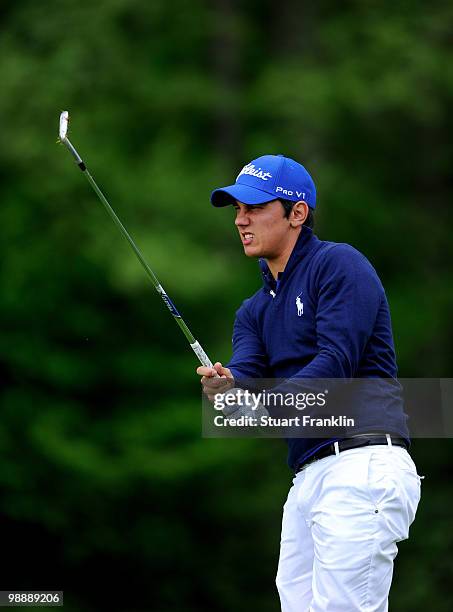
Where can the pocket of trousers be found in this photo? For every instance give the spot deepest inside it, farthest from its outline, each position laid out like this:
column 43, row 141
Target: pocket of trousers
column 394, row 491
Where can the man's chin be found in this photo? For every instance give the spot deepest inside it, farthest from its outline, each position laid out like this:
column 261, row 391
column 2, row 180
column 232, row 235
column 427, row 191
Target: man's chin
column 251, row 251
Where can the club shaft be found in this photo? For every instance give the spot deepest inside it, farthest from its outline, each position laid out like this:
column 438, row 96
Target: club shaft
column 121, row 227
column 195, row 345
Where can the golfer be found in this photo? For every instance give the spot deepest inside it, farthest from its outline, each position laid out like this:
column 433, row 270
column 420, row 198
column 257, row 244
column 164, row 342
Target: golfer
column 321, row 313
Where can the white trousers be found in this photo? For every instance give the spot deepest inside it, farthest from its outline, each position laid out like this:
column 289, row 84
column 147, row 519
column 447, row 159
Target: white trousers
column 341, row 521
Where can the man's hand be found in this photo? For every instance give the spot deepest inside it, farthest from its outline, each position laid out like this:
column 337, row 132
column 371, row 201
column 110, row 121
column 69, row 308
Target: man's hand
column 215, row 380
column 238, row 404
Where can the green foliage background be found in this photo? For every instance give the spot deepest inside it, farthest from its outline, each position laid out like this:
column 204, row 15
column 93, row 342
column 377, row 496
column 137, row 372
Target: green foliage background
column 107, row 489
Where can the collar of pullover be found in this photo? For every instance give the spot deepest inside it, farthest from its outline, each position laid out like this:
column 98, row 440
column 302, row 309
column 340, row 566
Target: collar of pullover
column 305, row 243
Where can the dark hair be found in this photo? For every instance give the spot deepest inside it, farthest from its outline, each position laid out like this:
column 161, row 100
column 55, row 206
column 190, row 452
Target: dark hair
column 288, row 206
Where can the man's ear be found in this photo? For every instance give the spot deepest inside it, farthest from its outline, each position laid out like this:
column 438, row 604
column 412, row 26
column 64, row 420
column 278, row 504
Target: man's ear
column 298, row 214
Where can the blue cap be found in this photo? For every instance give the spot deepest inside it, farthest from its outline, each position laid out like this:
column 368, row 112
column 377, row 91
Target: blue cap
column 268, row 178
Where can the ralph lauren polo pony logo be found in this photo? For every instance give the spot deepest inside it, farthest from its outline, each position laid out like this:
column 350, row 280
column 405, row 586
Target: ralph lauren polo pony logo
column 299, row 306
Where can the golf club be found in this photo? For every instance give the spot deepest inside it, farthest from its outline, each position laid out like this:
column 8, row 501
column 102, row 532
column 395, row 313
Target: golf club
column 196, row 347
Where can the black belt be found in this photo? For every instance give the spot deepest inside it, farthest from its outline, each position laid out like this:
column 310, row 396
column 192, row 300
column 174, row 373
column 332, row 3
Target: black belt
column 349, row 443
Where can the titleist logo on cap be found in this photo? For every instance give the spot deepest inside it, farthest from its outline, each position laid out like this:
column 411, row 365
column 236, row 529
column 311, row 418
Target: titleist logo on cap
column 250, row 169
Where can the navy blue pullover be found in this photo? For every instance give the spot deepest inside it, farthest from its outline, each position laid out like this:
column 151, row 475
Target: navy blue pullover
column 344, row 330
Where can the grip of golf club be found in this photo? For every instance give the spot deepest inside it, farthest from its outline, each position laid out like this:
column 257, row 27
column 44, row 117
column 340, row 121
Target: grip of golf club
column 199, row 352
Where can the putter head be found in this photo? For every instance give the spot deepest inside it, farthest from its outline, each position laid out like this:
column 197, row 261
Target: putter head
column 64, row 120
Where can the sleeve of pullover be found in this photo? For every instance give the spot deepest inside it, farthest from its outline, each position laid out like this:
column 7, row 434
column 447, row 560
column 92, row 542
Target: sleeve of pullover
column 348, row 294
column 249, row 358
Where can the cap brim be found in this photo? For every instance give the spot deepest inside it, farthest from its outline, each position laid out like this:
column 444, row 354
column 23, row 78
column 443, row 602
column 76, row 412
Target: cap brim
column 243, row 193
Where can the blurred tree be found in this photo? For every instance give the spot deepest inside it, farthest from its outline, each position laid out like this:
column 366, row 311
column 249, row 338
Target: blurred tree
column 102, row 461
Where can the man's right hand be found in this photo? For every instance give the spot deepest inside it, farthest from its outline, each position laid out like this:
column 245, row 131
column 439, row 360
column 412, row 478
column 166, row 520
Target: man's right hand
column 215, row 380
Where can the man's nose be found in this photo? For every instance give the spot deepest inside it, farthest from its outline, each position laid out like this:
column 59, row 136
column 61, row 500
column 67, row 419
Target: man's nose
column 241, row 218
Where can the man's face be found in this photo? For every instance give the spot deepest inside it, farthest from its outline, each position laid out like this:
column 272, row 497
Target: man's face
column 264, row 230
